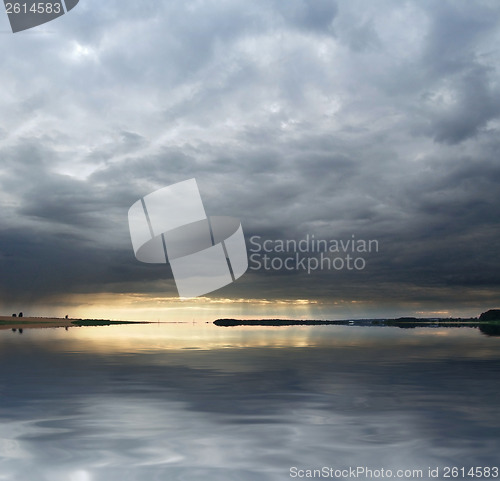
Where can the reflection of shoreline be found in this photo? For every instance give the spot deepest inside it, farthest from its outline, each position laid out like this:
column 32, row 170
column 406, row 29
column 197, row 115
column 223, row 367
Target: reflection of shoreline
column 7, row 322
column 490, row 328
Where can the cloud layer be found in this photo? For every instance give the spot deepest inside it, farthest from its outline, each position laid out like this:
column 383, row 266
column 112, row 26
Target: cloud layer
column 378, row 119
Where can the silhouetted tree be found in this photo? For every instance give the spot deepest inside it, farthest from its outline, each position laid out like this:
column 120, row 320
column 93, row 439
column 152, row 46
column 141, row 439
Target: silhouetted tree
column 14, row 315
column 20, row 314
column 491, row 315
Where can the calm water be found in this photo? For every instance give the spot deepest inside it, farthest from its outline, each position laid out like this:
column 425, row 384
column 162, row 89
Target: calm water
column 199, row 402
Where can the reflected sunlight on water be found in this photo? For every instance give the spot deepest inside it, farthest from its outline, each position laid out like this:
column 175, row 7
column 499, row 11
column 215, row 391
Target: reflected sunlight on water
column 196, row 401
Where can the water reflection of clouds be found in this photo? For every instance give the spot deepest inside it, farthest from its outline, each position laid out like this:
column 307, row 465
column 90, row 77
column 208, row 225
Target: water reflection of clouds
column 389, row 400
column 133, row 438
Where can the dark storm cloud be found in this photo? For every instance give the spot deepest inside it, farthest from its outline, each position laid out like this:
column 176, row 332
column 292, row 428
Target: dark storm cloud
column 311, row 117
column 315, row 15
column 475, row 101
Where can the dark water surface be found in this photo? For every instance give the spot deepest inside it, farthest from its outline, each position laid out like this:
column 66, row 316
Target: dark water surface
column 200, row 402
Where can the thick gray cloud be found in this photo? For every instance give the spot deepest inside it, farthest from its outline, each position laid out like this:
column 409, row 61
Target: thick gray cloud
column 333, row 119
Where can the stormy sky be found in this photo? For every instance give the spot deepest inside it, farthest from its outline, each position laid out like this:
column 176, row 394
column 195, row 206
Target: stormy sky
column 299, row 117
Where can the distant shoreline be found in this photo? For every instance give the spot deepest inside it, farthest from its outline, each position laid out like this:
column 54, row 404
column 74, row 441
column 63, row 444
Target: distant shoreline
column 489, row 325
column 8, row 322
column 405, row 322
